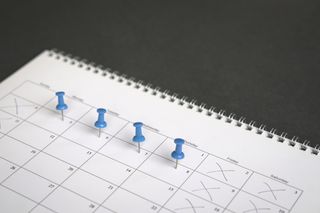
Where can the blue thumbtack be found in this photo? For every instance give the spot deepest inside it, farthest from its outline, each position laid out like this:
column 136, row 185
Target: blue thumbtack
column 177, row 153
column 61, row 105
column 100, row 123
column 138, row 138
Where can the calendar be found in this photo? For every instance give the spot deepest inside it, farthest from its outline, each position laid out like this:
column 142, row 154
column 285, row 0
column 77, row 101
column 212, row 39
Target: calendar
column 52, row 165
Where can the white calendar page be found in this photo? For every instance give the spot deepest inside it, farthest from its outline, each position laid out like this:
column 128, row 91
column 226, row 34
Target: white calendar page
column 50, row 165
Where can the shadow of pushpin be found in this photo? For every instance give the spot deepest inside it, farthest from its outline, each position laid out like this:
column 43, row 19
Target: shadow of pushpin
column 138, row 138
column 100, row 123
column 177, row 154
column 61, row 105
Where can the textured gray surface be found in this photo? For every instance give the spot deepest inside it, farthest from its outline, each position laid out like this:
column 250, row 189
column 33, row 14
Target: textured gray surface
column 258, row 59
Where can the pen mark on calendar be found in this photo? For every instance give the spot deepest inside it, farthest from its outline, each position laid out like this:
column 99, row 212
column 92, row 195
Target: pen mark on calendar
column 272, row 191
column 222, row 171
column 16, row 105
column 204, row 188
column 255, row 208
column 190, row 206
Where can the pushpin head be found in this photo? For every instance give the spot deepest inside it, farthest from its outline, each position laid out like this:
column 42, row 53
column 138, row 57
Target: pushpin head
column 138, row 136
column 138, row 124
column 177, row 153
column 100, row 123
column 61, row 105
column 179, row 141
column 60, row 93
column 101, row 110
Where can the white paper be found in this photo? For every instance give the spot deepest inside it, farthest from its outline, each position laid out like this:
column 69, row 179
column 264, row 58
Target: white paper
column 50, row 165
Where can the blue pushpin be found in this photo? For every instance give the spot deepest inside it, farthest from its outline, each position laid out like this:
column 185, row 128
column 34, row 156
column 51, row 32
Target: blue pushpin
column 100, row 123
column 61, row 105
column 138, row 138
column 177, row 153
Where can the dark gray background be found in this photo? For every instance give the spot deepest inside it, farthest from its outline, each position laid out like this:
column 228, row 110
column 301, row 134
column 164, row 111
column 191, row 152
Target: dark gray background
column 258, row 59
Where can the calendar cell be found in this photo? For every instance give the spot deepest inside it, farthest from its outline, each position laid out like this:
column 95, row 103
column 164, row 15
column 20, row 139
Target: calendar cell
column 13, row 202
column 244, row 202
column 51, row 121
column 8, row 122
column 86, row 136
column 6, row 169
column 193, row 156
column 22, row 133
column 34, row 92
column 107, row 169
column 65, row 201
column 124, row 152
column 149, row 187
column 224, row 171
column 114, row 123
column 209, row 189
column 132, row 201
column 163, row 169
column 69, row 151
column 89, row 186
column 185, row 202
column 78, row 109
column 272, row 190
column 152, row 139
column 17, row 106
column 15, row 151
column 30, row 185
column 50, row 167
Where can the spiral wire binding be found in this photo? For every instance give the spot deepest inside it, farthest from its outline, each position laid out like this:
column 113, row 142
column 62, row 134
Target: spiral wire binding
column 183, row 101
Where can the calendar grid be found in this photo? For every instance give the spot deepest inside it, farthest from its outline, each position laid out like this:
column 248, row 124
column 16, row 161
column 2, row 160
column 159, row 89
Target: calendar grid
column 168, row 137
column 151, row 129
column 98, row 205
column 115, row 136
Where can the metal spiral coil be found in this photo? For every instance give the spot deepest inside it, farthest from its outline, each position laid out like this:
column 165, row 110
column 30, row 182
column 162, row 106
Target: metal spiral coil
column 184, row 101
